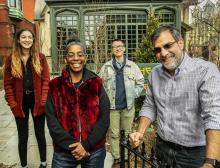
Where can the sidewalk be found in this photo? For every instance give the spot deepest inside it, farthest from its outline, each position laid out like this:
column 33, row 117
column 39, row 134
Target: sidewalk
column 8, row 141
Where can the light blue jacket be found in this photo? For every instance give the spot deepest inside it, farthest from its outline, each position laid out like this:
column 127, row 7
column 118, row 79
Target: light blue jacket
column 133, row 78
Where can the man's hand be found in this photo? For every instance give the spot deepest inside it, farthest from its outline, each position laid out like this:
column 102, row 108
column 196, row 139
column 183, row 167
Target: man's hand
column 78, row 151
column 135, row 139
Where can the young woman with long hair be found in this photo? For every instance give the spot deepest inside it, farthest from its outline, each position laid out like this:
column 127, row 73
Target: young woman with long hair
column 26, row 78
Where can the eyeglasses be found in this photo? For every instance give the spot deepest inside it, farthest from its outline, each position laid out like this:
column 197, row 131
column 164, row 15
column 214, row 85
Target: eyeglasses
column 71, row 55
column 116, row 47
column 167, row 46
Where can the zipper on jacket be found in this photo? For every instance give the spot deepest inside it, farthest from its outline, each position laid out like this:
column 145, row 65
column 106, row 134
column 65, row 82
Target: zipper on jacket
column 78, row 109
column 60, row 103
column 78, row 115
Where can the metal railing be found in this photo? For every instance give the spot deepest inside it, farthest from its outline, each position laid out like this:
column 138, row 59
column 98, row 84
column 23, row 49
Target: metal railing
column 140, row 158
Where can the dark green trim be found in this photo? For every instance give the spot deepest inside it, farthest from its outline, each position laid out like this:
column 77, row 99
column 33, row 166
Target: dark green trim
column 54, row 57
column 15, row 13
column 178, row 15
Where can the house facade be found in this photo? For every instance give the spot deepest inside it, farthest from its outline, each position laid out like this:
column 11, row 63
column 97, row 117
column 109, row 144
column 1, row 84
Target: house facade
column 98, row 22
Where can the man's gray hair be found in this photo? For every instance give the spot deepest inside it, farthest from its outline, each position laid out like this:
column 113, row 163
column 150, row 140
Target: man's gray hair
column 173, row 30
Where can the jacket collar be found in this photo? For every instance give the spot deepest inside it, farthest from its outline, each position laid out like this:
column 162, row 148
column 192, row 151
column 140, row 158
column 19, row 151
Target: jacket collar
column 86, row 74
column 128, row 63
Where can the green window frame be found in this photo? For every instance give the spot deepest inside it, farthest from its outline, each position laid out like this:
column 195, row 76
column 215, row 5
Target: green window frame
column 15, row 4
column 98, row 28
column 166, row 16
column 102, row 27
column 66, row 26
column 12, row 3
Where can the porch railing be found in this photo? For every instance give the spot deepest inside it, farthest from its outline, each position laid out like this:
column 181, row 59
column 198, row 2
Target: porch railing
column 140, row 159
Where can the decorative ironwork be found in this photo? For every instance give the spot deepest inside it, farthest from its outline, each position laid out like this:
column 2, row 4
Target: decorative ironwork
column 140, row 157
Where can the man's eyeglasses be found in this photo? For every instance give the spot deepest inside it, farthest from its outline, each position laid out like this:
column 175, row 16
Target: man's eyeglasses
column 167, row 46
column 116, row 47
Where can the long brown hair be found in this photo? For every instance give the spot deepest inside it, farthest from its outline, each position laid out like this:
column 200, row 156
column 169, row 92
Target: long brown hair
column 16, row 61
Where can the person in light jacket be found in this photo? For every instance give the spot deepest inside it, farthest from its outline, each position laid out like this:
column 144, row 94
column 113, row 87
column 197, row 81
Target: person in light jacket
column 123, row 82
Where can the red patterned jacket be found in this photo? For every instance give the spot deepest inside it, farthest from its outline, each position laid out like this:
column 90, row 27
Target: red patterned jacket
column 77, row 115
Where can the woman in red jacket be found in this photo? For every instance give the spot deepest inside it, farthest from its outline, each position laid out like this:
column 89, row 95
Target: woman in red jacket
column 77, row 112
column 26, row 78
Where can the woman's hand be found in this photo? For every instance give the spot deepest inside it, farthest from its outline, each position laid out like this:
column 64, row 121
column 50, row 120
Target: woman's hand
column 78, row 151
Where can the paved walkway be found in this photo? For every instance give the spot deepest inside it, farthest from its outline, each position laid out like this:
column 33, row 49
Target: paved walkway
column 8, row 141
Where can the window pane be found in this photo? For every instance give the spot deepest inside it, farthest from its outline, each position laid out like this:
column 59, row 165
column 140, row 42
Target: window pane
column 67, row 26
column 128, row 27
column 12, row 3
column 19, row 4
column 166, row 16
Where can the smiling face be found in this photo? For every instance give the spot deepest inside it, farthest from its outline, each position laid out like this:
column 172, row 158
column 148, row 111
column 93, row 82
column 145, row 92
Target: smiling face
column 118, row 49
column 26, row 40
column 169, row 52
column 75, row 58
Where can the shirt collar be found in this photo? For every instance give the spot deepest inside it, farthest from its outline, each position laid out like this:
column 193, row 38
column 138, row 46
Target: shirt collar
column 182, row 67
column 185, row 62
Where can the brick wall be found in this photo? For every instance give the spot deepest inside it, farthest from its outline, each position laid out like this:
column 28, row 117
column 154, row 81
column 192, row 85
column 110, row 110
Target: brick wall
column 6, row 34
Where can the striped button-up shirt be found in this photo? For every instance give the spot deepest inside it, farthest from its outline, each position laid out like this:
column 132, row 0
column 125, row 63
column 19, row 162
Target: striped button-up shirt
column 186, row 104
